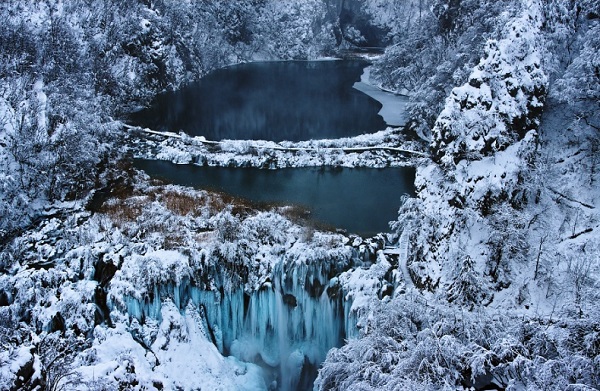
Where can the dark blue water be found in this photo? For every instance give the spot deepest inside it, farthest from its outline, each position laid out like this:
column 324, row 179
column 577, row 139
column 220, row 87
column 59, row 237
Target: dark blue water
column 291, row 100
column 360, row 200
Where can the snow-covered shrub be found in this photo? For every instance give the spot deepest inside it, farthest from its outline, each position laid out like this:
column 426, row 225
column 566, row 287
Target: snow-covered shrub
column 414, row 344
column 407, row 344
column 466, row 287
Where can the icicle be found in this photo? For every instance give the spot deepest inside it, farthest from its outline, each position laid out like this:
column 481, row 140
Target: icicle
column 287, row 326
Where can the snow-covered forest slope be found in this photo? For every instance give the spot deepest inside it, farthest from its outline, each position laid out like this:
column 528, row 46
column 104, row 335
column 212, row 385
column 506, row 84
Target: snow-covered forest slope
column 109, row 280
column 69, row 67
column 502, row 238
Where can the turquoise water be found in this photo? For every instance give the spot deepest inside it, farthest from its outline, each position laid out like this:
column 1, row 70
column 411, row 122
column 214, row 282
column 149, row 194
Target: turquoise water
column 359, row 200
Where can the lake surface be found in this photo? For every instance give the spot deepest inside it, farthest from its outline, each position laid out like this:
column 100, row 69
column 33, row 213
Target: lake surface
column 276, row 101
column 360, row 200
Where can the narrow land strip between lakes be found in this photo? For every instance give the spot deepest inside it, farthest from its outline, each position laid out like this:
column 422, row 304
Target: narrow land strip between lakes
column 202, row 140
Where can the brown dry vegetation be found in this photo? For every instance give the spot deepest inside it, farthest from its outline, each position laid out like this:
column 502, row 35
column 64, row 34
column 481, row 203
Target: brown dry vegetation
column 181, row 203
column 123, row 211
column 129, row 203
column 239, row 206
column 295, row 213
column 300, row 215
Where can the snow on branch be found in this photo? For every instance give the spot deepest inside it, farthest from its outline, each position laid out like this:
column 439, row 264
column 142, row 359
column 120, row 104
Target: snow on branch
column 502, row 100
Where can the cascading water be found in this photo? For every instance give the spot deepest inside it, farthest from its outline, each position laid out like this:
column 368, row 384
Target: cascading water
column 287, row 325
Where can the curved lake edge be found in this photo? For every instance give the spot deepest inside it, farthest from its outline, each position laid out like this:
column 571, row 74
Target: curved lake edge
column 387, row 98
column 359, row 201
column 269, row 100
column 393, row 110
column 376, row 149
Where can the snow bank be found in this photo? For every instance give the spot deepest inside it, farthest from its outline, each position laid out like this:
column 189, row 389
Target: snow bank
column 393, row 108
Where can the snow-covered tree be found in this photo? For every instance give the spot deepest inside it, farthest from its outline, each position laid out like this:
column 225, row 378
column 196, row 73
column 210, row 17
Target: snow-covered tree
column 437, row 52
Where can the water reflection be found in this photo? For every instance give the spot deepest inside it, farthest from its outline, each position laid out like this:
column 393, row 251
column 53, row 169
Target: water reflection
column 275, row 101
column 360, row 200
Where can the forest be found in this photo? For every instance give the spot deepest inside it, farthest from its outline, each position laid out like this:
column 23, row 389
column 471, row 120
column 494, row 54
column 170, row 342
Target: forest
column 497, row 278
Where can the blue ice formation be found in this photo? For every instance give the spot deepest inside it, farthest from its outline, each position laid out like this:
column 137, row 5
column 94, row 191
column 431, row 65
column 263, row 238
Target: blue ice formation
column 287, row 325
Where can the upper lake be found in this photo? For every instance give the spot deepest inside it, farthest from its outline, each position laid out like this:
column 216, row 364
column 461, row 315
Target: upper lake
column 276, row 101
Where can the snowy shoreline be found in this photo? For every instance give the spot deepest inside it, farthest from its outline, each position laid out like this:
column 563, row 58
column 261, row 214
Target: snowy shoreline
column 387, row 148
column 393, row 108
column 390, row 147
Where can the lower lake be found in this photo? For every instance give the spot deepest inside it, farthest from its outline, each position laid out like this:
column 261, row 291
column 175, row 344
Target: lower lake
column 359, row 200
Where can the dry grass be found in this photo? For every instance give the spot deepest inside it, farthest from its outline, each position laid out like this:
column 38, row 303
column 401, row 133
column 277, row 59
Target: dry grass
column 123, row 211
column 295, row 213
column 217, row 202
column 181, row 204
column 128, row 205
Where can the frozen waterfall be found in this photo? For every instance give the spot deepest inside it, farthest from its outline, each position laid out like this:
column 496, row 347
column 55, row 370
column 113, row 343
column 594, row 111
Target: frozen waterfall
column 287, row 325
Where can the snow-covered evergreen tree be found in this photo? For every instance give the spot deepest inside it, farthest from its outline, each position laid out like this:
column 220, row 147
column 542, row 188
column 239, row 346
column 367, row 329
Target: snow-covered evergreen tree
column 495, row 281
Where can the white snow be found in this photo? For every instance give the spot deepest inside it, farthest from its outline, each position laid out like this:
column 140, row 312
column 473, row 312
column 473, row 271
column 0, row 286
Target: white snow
column 180, row 358
column 393, row 110
column 42, row 99
column 161, row 337
column 386, row 148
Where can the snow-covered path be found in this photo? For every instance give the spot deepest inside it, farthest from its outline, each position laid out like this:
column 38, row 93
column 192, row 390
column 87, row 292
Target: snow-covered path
column 259, row 144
